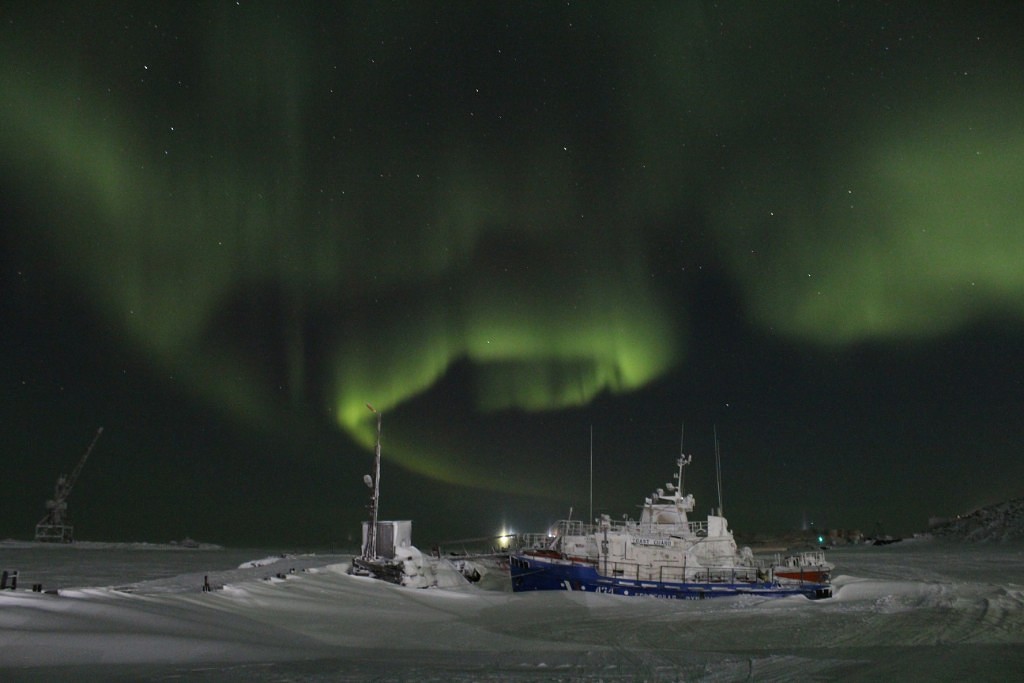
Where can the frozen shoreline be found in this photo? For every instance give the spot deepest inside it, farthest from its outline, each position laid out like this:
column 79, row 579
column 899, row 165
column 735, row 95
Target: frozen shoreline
column 896, row 608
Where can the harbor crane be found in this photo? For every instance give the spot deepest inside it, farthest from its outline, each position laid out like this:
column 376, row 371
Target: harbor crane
column 54, row 527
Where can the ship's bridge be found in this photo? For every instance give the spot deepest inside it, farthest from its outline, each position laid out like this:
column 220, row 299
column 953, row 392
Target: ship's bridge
column 672, row 511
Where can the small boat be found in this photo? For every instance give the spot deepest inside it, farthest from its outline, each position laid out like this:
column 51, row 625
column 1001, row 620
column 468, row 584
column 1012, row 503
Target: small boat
column 480, row 560
column 664, row 555
column 879, row 537
column 805, row 566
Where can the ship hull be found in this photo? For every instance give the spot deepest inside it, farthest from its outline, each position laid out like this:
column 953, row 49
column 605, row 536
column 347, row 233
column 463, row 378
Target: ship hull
column 530, row 573
column 805, row 576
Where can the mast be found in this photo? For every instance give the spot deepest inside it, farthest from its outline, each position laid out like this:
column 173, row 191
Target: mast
column 590, row 519
column 370, row 551
column 718, row 474
column 681, row 462
column 682, row 456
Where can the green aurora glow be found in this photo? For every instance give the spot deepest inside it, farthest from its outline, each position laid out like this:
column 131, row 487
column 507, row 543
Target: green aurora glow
column 166, row 242
column 247, row 159
column 914, row 231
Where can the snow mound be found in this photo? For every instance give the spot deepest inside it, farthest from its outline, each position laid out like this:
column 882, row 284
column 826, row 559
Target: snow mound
column 252, row 564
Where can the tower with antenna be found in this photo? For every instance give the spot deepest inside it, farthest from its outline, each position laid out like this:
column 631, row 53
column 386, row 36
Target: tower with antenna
column 386, row 544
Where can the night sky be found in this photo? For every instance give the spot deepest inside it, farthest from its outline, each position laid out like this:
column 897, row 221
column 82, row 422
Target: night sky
column 228, row 226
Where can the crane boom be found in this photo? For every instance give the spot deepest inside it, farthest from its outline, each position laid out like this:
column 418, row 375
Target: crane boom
column 54, row 527
column 81, row 463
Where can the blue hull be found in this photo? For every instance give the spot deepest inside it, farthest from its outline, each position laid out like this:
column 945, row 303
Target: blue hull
column 536, row 574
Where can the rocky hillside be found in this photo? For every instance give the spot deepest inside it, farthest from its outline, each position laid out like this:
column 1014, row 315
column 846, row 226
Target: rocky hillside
column 999, row 522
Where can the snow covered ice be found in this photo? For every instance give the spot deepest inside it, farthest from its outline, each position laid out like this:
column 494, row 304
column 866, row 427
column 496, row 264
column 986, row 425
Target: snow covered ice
column 916, row 610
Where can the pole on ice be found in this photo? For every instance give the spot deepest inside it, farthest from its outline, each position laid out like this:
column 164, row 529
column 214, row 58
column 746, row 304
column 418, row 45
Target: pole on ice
column 370, row 551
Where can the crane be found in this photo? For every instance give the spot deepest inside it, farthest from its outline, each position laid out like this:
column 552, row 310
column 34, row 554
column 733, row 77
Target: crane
column 54, row 527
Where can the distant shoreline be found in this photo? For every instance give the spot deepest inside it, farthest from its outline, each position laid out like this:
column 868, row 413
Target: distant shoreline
column 110, row 545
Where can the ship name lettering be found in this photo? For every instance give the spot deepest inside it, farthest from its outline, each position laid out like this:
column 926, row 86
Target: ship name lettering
column 664, row 542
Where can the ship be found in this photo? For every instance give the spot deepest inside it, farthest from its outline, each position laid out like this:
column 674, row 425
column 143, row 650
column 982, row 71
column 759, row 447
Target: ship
column 663, row 554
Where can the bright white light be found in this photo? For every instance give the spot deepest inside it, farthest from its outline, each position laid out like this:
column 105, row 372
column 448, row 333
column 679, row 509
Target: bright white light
column 505, row 538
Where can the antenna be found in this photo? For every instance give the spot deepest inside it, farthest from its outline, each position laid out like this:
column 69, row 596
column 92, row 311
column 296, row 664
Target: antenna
column 718, row 473
column 682, row 457
column 590, row 519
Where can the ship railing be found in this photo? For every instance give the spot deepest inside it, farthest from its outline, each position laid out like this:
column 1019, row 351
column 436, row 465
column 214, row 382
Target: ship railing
column 577, row 527
column 630, row 526
column 574, row 527
column 549, row 539
column 681, row 574
column 811, row 557
column 564, row 527
column 806, row 558
column 687, row 574
column 699, row 528
column 534, row 541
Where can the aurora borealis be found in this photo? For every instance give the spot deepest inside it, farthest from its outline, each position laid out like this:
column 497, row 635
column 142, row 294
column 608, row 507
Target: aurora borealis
column 229, row 226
